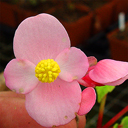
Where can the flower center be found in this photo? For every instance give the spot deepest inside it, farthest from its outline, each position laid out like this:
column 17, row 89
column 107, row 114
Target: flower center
column 47, row 70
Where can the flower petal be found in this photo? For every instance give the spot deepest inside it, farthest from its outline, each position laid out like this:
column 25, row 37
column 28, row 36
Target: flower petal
column 107, row 71
column 92, row 61
column 55, row 103
column 88, row 100
column 73, row 64
column 117, row 82
column 20, row 76
column 40, row 37
column 88, row 82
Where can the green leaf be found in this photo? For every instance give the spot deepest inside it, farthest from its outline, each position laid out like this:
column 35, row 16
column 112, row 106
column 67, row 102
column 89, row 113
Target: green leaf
column 124, row 122
column 103, row 90
column 116, row 125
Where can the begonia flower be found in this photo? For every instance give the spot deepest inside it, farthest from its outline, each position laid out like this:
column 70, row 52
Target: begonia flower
column 46, row 70
column 106, row 72
column 12, row 105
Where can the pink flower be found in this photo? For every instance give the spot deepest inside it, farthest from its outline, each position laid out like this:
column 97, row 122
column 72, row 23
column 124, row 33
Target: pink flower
column 106, row 72
column 46, row 70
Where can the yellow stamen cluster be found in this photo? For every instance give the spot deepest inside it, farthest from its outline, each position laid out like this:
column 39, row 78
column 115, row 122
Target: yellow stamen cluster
column 47, row 70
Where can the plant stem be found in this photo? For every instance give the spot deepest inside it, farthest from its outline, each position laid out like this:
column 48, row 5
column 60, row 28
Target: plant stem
column 116, row 117
column 101, row 112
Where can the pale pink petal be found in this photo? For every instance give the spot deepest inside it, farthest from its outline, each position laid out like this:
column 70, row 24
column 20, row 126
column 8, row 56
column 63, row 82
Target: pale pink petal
column 54, row 104
column 87, row 101
column 73, row 64
column 117, row 82
column 40, row 37
column 20, row 76
column 107, row 71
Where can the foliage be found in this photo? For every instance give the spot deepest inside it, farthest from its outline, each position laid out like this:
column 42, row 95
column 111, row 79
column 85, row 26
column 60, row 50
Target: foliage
column 103, row 90
column 123, row 124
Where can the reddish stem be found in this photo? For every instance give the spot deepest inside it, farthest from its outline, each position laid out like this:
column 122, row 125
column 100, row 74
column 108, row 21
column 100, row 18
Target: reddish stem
column 116, row 117
column 101, row 112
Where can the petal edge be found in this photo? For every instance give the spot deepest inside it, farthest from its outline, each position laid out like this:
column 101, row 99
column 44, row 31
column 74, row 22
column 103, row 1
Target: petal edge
column 73, row 64
column 88, row 100
column 20, row 76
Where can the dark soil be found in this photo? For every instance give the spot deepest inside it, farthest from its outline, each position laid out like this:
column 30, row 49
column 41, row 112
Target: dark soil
column 39, row 7
column 66, row 10
column 69, row 13
column 62, row 9
column 94, row 4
